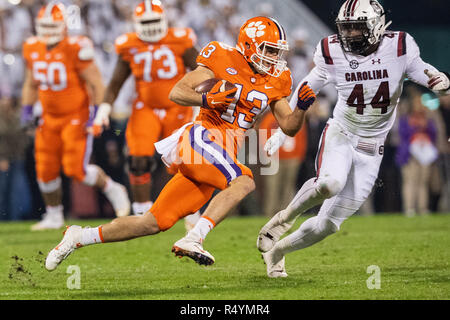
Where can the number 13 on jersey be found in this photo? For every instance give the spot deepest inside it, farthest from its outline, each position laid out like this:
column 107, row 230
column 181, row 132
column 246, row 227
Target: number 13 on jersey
column 244, row 120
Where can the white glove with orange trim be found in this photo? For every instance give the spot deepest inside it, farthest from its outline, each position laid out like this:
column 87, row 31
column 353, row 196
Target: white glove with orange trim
column 101, row 119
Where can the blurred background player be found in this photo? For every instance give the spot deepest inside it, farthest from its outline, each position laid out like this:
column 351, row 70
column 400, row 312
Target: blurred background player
column 157, row 56
column 205, row 152
column 63, row 76
column 280, row 188
column 368, row 66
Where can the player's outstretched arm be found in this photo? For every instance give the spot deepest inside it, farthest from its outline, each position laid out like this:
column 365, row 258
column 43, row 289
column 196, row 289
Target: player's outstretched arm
column 438, row 81
column 422, row 72
column 121, row 73
column 291, row 121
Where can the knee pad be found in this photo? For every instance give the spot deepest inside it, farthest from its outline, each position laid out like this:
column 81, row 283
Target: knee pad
column 50, row 186
column 327, row 226
column 141, row 165
column 339, row 209
column 329, row 187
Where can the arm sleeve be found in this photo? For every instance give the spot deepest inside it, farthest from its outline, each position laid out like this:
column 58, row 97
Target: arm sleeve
column 317, row 78
column 208, row 55
column 26, row 54
column 121, row 47
column 415, row 66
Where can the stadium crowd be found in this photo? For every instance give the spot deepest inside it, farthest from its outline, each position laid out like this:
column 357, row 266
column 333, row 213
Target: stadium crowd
column 414, row 176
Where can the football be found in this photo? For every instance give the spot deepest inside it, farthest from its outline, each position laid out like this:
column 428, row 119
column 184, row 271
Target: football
column 207, row 85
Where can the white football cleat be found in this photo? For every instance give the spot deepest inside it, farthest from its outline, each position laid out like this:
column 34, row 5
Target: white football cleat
column 70, row 242
column 271, row 232
column 49, row 221
column 275, row 264
column 265, row 241
column 118, row 196
column 191, row 246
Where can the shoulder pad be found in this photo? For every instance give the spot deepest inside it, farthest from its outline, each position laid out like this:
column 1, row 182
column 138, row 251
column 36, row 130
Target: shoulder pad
column 31, row 40
column 120, row 40
column 86, row 53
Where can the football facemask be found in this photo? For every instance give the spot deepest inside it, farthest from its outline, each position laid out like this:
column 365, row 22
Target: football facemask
column 149, row 21
column 51, row 23
column 360, row 24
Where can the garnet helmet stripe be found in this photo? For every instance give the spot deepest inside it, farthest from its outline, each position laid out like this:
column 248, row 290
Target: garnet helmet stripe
column 348, row 8
column 352, row 10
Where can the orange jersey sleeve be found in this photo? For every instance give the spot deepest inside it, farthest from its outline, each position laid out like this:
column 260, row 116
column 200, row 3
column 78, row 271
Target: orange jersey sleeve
column 27, row 48
column 56, row 70
column 84, row 50
column 156, row 66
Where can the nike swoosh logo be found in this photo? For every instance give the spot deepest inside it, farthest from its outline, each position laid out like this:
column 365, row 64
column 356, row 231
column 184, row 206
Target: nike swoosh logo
column 213, row 102
column 266, row 87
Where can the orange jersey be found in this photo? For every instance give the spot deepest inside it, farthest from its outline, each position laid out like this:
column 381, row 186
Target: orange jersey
column 57, row 73
column 156, row 66
column 255, row 91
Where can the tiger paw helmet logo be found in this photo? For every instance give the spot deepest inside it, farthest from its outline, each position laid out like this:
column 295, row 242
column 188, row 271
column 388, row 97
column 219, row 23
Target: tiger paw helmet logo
column 255, row 29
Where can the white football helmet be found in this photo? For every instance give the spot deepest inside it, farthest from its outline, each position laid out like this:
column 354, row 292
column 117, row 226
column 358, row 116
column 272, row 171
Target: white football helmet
column 51, row 23
column 360, row 24
column 150, row 21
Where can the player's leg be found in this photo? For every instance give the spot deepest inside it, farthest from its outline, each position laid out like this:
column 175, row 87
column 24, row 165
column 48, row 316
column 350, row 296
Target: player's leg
column 120, row 229
column 218, row 169
column 143, row 130
column 333, row 163
column 48, row 147
column 140, row 169
column 332, row 213
column 192, row 244
column 77, row 148
column 180, row 197
column 172, row 119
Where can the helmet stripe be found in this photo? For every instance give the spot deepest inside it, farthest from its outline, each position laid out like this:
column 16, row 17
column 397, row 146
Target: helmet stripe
column 148, row 6
column 280, row 29
column 49, row 9
column 348, row 8
column 352, row 11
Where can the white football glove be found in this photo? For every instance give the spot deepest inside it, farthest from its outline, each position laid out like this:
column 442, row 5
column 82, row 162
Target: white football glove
column 101, row 119
column 274, row 142
column 438, row 81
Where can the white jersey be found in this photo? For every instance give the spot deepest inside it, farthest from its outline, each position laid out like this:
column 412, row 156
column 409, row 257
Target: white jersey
column 369, row 87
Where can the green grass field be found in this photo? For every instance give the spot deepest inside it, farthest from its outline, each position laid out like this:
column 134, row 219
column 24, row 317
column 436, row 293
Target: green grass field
column 413, row 255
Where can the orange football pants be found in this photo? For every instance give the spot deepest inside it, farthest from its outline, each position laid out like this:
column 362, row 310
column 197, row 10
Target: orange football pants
column 205, row 165
column 62, row 141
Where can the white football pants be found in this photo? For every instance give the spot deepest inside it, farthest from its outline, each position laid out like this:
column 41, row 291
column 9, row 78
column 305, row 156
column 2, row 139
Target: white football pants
column 347, row 167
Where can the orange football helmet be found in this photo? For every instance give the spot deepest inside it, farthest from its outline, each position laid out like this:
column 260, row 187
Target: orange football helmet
column 150, row 22
column 263, row 43
column 51, row 23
